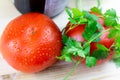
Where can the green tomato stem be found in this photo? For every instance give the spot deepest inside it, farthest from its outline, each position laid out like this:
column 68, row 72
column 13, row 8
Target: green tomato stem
column 72, row 71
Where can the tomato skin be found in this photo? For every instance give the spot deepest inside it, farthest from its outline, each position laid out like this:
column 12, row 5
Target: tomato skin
column 76, row 33
column 31, row 42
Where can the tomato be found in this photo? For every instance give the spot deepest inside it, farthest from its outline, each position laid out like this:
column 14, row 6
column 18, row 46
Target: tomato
column 76, row 33
column 31, row 42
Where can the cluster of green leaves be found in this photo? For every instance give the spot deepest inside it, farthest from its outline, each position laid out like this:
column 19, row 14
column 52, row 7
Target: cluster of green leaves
column 116, row 57
column 92, row 33
column 74, row 48
column 92, row 26
column 76, row 16
column 84, row 17
column 111, row 20
column 101, row 52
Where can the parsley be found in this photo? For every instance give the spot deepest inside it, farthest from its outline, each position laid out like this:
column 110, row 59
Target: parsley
column 102, row 47
column 110, row 17
column 96, row 10
column 76, row 13
column 72, row 48
column 117, row 62
column 75, row 48
column 76, row 16
column 90, row 61
column 110, row 12
column 101, row 52
column 92, row 32
column 116, row 57
column 115, row 33
column 91, row 27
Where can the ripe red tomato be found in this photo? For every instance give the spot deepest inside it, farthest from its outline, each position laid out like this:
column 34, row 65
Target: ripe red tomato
column 76, row 33
column 31, row 42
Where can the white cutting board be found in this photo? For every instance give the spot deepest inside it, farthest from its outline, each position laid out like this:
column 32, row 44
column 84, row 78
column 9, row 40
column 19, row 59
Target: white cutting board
column 107, row 71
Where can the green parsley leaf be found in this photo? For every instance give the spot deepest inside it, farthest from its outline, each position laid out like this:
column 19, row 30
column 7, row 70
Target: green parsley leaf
column 71, row 48
column 116, row 57
column 69, row 12
column 73, row 21
column 92, row 26
column 68, row 58
column 64, row 39
column 90, row 16
column 76, row 13
column 81, row 53
column 117, row 42
column 110, row 18
column 78, row 16
column 99, row 26
column 117, row 62
column 112, row 33
column 96, row 10
column 117, row 53
column 90, row 29
column 111, row 12
column 110, row 21
column 87, row 50
column 100, row 54
column 67, row 41
column 70, row 42
column 102, row 47
column 91, row 61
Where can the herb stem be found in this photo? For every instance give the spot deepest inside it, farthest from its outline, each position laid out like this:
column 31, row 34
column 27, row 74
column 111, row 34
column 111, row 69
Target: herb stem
column 98, row 3
column 95, row 37
column 78, row 5
column 72, row 71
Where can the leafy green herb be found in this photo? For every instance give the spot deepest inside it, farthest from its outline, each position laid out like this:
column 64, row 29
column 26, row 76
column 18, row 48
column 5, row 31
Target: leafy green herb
column 101, row 52
column 117, row 53
column 117, row 62
column 112, row 33
column 75, row 48
column 99, row 26
column 115, row 33
column 92, row 32
column 96, row 10
column 76, row 16
column 102, row 47
column 110, row 12
column 72, row 48
column 89, row 29
column 110, row 18
column 116, row 57
column 87, row 50
column 76, row 13
column 69, row 12
column 90, row 61
column 110, row 21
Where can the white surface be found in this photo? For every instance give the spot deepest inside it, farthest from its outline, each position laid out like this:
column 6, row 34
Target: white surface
column 107, row 71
